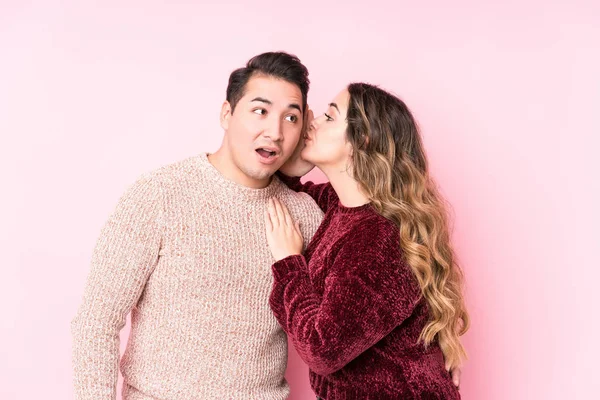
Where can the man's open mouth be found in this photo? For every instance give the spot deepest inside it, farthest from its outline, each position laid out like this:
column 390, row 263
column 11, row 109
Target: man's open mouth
column 266, row 153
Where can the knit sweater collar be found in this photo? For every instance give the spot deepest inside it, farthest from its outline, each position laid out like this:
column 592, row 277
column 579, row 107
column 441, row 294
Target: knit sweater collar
column 233, row 188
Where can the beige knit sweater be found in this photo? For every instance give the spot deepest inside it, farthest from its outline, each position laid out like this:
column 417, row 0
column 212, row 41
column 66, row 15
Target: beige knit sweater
column 185, row 252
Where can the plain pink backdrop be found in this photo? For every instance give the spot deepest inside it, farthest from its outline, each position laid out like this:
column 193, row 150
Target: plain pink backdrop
column 92, row 94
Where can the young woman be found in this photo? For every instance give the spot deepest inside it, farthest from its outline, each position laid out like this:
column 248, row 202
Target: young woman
column 375, row 305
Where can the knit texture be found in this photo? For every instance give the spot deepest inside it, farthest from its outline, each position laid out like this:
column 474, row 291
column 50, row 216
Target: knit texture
column 185, row 251
column 354, row 311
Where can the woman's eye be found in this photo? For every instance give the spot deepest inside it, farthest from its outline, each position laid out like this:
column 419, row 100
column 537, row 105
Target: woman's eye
column 292, row 118
column 260, row 111
column 328, row 117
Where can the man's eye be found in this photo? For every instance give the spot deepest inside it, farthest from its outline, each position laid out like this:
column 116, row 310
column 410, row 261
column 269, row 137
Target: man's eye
column 260, row 111
column 292, row 118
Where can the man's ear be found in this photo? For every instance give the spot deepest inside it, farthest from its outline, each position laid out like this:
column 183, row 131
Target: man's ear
column 225, row 114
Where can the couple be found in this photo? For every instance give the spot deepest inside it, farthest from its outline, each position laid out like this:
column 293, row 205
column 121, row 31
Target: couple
column 219, row 256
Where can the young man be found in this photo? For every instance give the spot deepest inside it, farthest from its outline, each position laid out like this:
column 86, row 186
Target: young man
column 185, row 251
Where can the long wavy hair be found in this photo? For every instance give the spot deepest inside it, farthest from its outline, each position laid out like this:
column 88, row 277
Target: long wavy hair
column 390, row 165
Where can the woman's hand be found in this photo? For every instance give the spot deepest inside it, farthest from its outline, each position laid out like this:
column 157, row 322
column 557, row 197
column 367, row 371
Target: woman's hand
column 455, row 373
column 283, row 234
column 295, row 165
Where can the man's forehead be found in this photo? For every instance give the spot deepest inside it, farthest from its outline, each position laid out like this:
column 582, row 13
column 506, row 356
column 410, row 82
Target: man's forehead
column 273, row 89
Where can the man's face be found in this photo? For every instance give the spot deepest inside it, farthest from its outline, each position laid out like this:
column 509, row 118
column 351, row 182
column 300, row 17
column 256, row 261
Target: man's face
column 263, row 130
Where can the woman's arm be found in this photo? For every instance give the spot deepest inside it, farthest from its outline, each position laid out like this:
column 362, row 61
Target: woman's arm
column 368, row 292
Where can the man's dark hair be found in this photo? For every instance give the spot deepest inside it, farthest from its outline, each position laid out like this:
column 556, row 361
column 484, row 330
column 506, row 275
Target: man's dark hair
column 279, row 65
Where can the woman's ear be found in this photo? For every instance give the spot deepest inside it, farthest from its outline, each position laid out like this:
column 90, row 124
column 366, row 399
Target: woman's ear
column 349, row 148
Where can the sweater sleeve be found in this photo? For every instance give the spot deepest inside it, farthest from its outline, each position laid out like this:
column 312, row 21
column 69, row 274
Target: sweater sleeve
column 322, row 193
column 368, row 292
column 124, row 257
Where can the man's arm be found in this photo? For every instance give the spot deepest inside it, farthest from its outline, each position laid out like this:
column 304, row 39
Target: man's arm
column 125, row 256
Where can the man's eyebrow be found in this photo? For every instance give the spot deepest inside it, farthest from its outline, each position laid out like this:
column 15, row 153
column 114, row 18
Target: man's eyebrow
column 269, row 102
column 336, row 107
column 262, row 100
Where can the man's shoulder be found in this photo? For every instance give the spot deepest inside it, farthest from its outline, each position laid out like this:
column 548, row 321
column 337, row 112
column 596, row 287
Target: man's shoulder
column 185, row 167
column 303, row 209
column 299, row 200
column 171, row 175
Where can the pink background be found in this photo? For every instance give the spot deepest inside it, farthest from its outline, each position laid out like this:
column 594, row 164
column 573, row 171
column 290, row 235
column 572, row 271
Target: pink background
column 508, row 97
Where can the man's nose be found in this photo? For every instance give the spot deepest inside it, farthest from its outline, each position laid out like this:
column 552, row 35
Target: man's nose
column 273, row 129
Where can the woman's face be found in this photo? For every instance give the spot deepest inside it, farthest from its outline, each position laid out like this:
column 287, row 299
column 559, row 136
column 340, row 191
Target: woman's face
column 325, row 141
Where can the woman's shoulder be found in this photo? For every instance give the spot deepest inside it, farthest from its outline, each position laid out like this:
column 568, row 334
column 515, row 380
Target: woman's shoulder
column 373, row 230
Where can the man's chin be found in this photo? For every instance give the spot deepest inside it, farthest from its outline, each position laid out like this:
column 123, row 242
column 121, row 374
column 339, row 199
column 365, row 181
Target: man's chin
column 263, row 173
column 271, row 169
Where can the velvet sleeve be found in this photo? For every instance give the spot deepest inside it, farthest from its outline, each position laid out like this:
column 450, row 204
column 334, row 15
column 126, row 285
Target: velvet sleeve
column 369, row 291
column 322, row 193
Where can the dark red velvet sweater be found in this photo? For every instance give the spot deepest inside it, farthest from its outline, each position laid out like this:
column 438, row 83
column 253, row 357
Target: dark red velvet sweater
column 354, row 311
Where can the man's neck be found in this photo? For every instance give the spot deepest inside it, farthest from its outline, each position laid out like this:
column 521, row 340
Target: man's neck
column 222, row 163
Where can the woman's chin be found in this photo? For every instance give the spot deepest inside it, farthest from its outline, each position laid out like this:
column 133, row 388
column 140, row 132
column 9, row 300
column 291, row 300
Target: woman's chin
column 305, row 155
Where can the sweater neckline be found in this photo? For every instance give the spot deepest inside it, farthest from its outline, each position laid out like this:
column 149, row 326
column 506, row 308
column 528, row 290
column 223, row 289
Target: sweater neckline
column 353, row 210
column 234, row 188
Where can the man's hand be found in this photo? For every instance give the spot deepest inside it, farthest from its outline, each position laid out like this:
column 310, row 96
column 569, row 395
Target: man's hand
column 295, row 165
